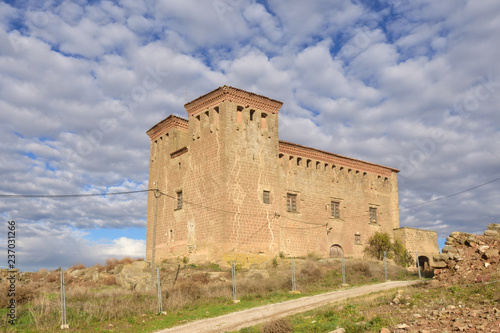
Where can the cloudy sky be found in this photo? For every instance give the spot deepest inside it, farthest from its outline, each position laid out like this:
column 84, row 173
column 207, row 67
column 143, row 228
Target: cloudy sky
column 413, row 85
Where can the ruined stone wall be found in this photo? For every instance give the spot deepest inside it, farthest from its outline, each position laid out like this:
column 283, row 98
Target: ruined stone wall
column 417, row 240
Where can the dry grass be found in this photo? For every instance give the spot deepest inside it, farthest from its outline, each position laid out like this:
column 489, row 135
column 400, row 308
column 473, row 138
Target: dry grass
column 91, row 303
column 280, row 325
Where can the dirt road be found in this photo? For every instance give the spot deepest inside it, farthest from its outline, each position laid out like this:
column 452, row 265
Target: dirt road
column 237, row 320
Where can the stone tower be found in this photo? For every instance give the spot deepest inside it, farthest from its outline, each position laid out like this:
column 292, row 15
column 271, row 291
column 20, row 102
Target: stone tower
column 213, row 170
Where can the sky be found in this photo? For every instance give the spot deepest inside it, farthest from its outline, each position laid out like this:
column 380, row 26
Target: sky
column 414, row 85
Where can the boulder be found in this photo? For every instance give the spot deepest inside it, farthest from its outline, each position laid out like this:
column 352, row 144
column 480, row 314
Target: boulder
column 440, row 257
column 491, row 233
column 449, row 249
column 439, row 264
column 491, row 253
column 494, row 227
column 135, row 276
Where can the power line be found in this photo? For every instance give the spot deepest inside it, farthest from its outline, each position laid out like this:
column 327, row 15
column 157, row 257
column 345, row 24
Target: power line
column 68, row 195
column 452, row 195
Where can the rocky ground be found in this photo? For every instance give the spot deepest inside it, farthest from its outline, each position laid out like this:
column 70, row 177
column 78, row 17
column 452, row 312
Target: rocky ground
column 466, row 275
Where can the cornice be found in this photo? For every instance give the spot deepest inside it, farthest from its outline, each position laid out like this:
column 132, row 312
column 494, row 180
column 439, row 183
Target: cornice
column 235, row 95
column 320, row 155
column 166, row 124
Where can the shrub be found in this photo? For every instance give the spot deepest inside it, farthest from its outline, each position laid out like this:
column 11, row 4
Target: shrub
column 402, row 256
column 109, row 280
column 126, row 260
column 280, row 325
column 76, row 266
column 379, row 243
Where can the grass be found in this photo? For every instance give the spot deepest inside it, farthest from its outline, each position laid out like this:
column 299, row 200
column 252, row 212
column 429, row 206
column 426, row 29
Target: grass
column 372, row 312
column 195, row 295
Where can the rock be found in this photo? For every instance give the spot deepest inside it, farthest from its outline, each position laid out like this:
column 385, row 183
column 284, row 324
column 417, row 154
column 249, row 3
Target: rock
column 77, row 273
column 135, row 276
column 483, row 248
column 439, row 264
column 440, row 257
column 338, row 330
column 402, row 326
column 491, row 233
column 449, row 248
column 490, row 253
column 494, row 226
column 486, row 264
column 483, row 278
column 385, row 330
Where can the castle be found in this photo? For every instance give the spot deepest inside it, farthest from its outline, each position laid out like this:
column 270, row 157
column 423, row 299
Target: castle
column 226, row 184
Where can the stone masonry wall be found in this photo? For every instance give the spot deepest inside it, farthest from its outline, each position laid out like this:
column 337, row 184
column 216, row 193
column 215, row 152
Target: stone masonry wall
column 223, row 159
column 417, row 240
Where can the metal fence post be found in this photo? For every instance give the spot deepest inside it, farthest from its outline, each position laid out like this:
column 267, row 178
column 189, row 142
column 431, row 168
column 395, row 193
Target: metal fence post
column 292, row 266
column 343, row 267
column 233, row 273
column 158, row 283
column 418, row 265
column 385, row 264
column 64, row 323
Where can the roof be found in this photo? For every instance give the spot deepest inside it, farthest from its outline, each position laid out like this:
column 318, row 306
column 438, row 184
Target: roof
column 313, row 153
column 166, row 124
column 227, row 93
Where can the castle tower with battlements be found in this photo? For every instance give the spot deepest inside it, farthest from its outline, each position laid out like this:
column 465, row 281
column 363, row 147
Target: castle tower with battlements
column 227, row 184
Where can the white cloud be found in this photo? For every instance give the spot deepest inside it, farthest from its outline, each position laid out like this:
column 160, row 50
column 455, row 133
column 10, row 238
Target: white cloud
column 81, row 83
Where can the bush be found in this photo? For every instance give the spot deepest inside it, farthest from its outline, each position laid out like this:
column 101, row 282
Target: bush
column 402, row 256
column 76, row 266
column 280, row 325
column 379, row 243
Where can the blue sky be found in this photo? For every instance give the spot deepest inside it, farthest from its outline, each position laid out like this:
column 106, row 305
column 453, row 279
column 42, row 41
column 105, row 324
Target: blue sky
column 413, row 85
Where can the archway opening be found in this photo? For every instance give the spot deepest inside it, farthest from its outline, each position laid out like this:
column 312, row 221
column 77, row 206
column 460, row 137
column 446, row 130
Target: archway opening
column 336, row 251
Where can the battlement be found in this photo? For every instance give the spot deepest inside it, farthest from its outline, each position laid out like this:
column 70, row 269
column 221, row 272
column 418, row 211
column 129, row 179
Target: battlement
column 235, row 95
column 166, row 124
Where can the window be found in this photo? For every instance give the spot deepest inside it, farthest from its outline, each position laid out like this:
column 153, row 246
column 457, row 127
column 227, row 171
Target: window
column 357, row 238
column 291, row 202
column 265, row 197
column 179, row 200
column 263, row 120
column 335, row 205
column 373, row 215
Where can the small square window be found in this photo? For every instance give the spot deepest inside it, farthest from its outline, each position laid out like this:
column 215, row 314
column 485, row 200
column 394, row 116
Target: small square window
column 335, row 205
column 179, row 200
column 266, row 197
column 357, row 238
column 291, row 202
column 373, row 215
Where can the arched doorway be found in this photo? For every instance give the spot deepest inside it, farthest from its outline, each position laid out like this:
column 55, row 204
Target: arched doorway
column 336, row 251
column 423, row 262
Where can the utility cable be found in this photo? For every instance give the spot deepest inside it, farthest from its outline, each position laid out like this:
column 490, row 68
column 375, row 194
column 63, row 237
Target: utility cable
column 68, row 195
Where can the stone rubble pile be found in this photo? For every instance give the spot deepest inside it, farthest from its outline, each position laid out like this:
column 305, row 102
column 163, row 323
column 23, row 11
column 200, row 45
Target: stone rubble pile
column 469, row 258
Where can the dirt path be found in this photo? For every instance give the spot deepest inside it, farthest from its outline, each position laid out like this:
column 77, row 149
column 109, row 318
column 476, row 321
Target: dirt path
column 237, row 320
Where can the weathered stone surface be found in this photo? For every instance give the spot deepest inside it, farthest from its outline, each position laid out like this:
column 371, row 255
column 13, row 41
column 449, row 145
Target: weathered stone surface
column 490, row 253
column 440, row 257
column 494, row 226
column 449, row 249
column 135, row 276
column 439, row 264
column 491, row 233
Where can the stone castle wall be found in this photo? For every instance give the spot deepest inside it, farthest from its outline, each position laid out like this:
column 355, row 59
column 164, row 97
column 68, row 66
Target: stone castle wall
column 223, row 159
